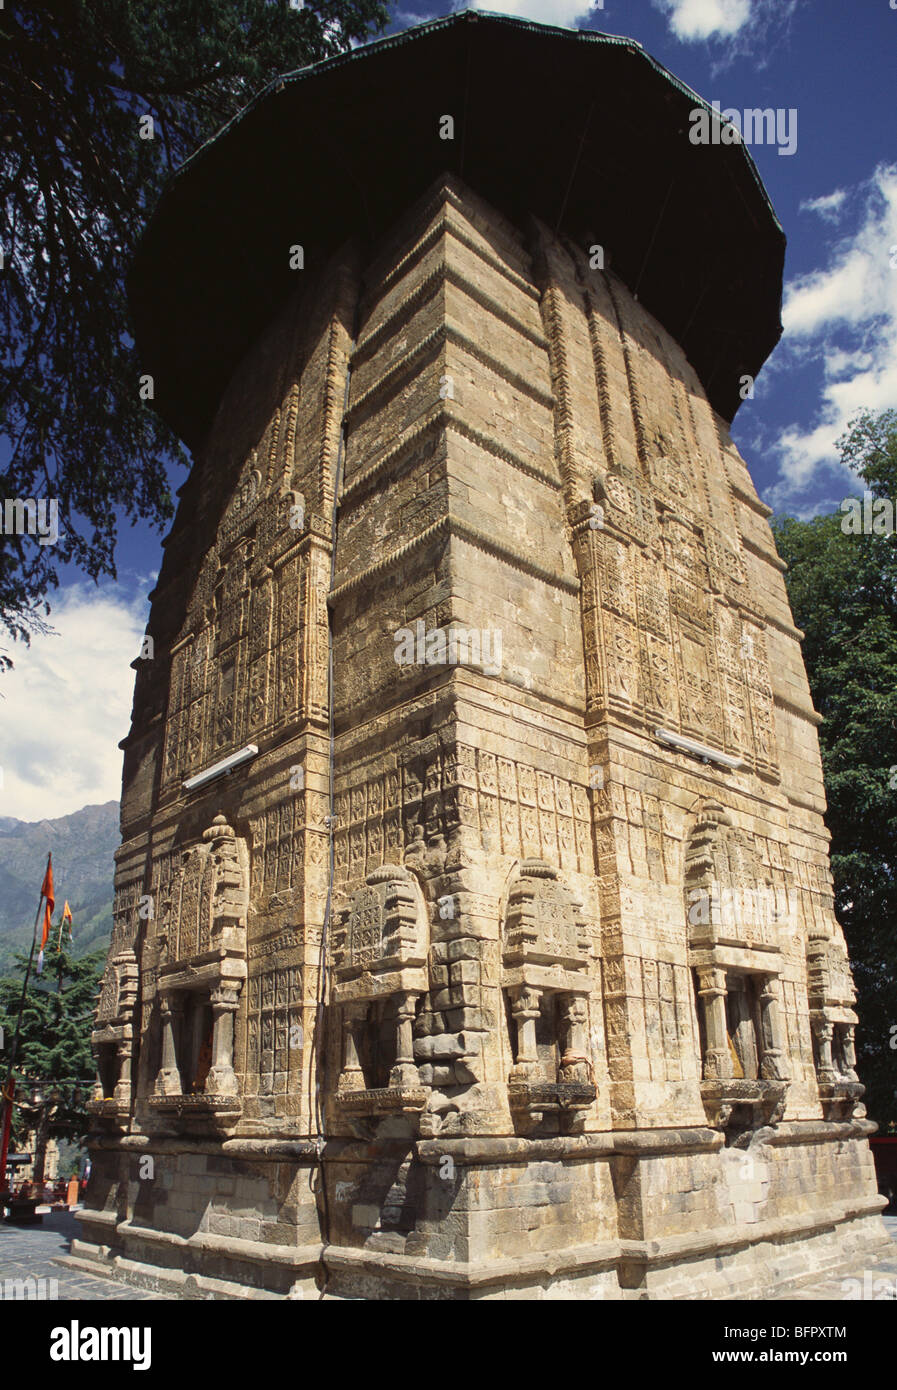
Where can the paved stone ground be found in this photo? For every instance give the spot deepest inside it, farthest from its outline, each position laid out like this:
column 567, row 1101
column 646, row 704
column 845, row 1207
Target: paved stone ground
column 30, row 1252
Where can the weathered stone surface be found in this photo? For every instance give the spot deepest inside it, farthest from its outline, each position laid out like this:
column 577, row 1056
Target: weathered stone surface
column 587, row 1026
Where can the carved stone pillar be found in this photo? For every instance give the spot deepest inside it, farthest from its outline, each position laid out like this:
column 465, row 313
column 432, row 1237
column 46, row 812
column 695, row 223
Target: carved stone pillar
column 168, row 1081
column 405, row 1073
column 575, row 1064
column 525, row 1007
column 351, row 1076
column 823, row 1032
column 222, row 1079
column 773, row 1063
column 122, row 1091
column 848, row 1047
column 712, row 990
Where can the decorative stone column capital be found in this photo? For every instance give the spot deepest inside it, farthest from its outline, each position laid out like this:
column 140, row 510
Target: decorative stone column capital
column 225, row 998
column 526, row 1002
column 574, row 1009
column 711, row 980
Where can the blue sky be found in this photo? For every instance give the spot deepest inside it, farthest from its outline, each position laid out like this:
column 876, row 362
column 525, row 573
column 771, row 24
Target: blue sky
column 834, row 62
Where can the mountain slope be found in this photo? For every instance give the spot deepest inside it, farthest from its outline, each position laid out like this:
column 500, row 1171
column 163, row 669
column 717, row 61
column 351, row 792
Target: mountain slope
column 82, row 845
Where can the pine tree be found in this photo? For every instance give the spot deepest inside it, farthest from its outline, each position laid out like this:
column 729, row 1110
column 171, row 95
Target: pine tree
column 55, row 1057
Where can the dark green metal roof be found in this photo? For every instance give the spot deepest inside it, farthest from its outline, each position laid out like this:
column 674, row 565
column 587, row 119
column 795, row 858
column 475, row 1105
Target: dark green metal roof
column 583, row 129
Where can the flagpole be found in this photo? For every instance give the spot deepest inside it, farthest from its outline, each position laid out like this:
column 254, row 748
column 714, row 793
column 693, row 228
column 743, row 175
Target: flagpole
column 9, row 1089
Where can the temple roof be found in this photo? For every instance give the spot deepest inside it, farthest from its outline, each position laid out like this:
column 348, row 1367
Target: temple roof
column 585, row 130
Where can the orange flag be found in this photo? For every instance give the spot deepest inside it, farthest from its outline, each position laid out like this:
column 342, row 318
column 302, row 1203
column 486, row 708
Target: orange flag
column 66, row 917
column 48, row 892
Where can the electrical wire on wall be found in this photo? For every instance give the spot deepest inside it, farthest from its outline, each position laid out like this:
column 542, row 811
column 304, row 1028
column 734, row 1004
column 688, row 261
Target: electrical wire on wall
column 317, row 1059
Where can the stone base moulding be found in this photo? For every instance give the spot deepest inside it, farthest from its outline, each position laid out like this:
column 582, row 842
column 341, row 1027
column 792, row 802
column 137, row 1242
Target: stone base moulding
column 261, row 1199
column 717, row 1263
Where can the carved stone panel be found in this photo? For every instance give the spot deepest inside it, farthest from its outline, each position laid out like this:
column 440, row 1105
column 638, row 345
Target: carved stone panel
column 384, row 931
column 207, row 897
column 731, row 898
column 544, row 921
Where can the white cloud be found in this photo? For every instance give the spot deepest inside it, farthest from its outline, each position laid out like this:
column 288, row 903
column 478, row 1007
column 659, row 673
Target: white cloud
column 735, row 28
column 829, row 206
column 703, row 19
column 67, row 703
column 843, row 317
column 564, row 13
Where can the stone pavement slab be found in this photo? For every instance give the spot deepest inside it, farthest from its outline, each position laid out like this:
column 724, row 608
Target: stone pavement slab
column 29, row 1252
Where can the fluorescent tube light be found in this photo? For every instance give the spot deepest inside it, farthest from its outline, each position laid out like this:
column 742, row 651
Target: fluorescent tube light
column 217, row 769
column 698, row 750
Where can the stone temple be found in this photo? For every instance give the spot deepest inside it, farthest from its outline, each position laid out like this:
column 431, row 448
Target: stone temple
column 499, row 959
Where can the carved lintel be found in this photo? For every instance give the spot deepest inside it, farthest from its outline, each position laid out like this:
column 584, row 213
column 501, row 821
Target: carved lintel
column 111, row 1113
column 530, row 1101
column 203, row 1105
column 386, row 1100
column 748, row 1103
column 841, row 1099
column 549, row 1095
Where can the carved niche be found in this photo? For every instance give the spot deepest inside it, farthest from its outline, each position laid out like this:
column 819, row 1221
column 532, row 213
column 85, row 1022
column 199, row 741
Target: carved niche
column 833, row 1023
column 112, row 1038
column 380, row 973
column 734, row 912
column 547, row 982
column 202, row 966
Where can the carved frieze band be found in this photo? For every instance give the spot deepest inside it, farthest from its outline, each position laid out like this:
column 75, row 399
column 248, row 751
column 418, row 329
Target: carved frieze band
column 439, row 276
column 445, row 333
column 509, row 806
column 450, row 210
column 451, row 527
column 406, row 453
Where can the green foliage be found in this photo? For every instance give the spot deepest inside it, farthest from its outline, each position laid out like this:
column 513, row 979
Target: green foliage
column 54, row 1044
column 843, row 592
column 77, row 183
